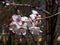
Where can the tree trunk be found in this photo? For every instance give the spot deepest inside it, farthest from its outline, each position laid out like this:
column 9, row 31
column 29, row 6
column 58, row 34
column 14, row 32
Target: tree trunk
column 52, row 8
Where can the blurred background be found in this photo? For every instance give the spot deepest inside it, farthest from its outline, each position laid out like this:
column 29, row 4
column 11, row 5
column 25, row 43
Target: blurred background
column 50, row 27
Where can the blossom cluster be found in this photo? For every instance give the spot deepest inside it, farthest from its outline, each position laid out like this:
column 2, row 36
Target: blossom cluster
column 20, row 25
